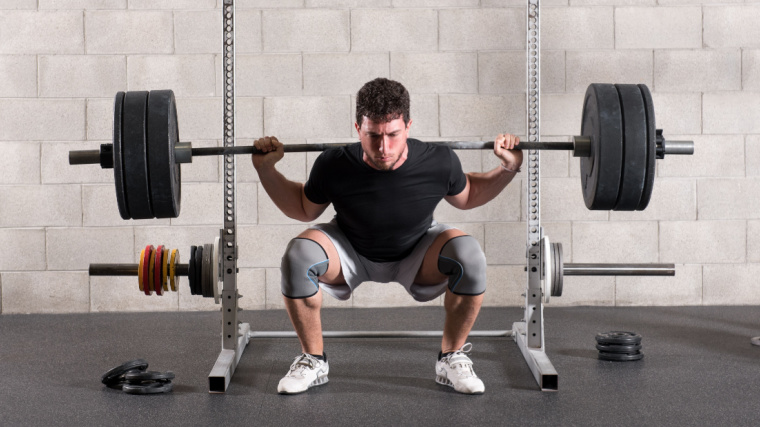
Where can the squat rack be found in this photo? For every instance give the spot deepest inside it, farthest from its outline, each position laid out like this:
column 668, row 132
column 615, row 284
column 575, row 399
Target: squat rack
column 528, row 333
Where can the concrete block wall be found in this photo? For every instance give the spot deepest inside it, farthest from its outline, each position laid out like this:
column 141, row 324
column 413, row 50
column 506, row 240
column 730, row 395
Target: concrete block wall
column 299, row 64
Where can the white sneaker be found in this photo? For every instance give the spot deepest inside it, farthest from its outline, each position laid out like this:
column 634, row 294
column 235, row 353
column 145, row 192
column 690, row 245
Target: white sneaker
column 305, row 372
column 455, row 370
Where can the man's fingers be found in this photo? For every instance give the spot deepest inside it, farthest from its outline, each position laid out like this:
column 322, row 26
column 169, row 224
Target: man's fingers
column 267, row 144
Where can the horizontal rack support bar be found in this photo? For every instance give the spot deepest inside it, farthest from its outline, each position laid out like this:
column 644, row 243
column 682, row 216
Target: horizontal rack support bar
column 377, row 334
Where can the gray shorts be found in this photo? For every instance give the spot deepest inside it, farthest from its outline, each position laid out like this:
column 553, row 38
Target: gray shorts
column 357, row 269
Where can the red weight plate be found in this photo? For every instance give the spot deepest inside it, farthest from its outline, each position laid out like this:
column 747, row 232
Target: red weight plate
column 146, row 268
column 157, row 269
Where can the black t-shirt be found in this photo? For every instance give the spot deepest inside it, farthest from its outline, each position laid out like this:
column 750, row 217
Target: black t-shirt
column 385, row 213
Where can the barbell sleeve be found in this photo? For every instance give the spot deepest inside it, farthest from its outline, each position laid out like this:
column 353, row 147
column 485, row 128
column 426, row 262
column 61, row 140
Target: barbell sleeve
column 84, row 157
column 618, row 269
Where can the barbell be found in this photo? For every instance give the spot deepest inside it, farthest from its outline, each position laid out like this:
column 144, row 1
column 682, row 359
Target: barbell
column 618, row 146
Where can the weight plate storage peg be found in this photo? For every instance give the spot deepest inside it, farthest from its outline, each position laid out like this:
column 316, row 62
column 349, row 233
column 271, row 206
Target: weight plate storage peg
column 634, row 147
column 163, row 135
column 600, row 172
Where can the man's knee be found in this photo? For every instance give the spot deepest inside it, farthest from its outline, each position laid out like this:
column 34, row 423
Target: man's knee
column 463, row 260
column 304, row 261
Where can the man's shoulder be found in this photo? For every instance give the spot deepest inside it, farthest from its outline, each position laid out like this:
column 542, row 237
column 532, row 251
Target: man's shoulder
column 429, row 150
column 335, row 153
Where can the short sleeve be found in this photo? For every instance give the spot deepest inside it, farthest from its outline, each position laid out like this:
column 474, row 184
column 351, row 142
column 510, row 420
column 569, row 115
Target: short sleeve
column 457, row 178
column 314, row 187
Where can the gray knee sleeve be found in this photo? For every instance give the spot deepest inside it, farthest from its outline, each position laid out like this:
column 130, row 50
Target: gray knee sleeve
column 304, row 261
column 465, row 263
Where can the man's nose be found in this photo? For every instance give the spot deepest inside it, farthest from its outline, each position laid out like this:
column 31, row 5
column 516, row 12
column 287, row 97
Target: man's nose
column 385, row 144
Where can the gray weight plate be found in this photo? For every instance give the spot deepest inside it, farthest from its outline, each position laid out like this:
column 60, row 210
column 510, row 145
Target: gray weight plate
column 136, row 171
column 163, row 134
column 199, row 271
column 618, row 337
column 118, row 158
column 191, row 270
column 634, row 147
column 608, row 348
column 137, row 377
column 557, row 291
column 554, row 270
column 620, row 357
column 152, row 388
column 117, row 374
column 600, row 172
column 646, row 195
column 208, row 251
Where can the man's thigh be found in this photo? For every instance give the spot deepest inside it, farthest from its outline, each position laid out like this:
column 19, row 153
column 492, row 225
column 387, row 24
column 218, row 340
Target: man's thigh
column 333, row 275
column 428, row 273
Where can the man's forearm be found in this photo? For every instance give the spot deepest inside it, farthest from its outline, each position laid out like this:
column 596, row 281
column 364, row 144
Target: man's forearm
column 286, row 194
column 485, row 186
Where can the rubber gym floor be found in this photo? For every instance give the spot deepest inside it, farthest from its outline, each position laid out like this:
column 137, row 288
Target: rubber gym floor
column 699, row 369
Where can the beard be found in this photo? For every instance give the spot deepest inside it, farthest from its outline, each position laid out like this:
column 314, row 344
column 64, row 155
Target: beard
column 382, row 166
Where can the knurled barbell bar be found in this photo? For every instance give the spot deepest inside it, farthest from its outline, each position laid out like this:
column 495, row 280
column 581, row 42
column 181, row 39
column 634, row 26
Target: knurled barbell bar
column 159, row 269
column 618, row 146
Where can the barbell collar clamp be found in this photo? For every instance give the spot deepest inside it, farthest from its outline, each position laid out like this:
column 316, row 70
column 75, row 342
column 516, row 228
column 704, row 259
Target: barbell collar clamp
column 183, row 152
column 581, row 146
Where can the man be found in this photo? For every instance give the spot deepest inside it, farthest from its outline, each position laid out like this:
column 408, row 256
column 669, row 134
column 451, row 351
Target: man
column 384, row 190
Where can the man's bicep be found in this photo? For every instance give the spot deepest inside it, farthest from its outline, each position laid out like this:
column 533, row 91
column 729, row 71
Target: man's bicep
column 459, row 200
column 311, row 209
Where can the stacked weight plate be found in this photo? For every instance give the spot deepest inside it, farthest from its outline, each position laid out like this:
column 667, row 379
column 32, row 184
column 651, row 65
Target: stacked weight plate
column 203, row 270
column 619, row 173
column 619, row 346
column 147, row 177
column 133, row 377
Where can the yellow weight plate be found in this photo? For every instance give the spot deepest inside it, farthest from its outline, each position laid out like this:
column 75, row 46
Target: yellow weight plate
column 164, row 268
column 173, row 269
column 139, row 272
column 151, row 271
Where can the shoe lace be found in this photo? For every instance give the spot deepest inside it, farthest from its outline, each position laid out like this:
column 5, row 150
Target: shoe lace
column 460, row 362
column 302, row 362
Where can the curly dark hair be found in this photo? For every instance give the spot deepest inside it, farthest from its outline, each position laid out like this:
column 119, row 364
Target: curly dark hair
column 382, row 100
